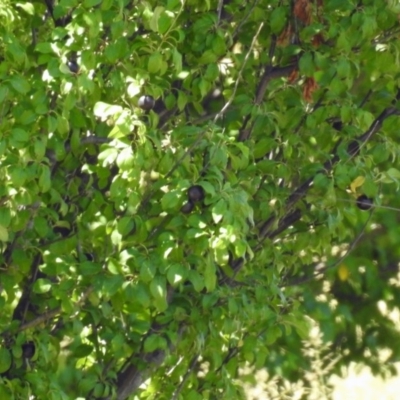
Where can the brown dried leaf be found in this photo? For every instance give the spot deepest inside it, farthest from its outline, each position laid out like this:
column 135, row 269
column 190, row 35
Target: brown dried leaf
column 293, row 76
column 310, row 86
column 302, row 11
column 317, row 40
column 284, row 38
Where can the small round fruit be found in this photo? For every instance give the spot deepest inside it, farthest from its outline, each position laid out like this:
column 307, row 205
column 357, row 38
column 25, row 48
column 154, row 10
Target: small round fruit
column 187, row 207
column 196, row 193
column 146, row 102
column 364, row 202
column 28, row 349
column 73, row 66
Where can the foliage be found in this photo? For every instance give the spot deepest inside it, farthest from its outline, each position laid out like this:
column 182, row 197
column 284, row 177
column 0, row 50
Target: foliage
column 113, row 282
column 315, row 383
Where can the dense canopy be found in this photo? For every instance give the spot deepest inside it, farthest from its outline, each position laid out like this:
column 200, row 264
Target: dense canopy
column 188, row 186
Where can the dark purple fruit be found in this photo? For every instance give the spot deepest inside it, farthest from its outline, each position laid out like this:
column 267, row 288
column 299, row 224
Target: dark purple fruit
column 196, row 193
column 28, row 350
column 364, row 202
column 73, row 66
column 187, row 207
column 146, row 102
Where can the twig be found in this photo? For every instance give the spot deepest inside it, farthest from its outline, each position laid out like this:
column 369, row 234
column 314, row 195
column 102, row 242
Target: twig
column 38, row 320
column 94, row 140
column 229, row 102
column 301, row 191
column 243, row 21
column 216, row 118
column 336, row 263
column 192, row 364
column 48, row 315
column 219, row 10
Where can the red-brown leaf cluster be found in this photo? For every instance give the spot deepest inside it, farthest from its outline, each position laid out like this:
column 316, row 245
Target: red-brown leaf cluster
column 317, row 40
column 310, row 86
column 285, row 36
column 302, row 11
column 294, row 75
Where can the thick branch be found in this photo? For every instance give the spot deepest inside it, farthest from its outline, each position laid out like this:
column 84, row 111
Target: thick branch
column 269, row 74
column 130, row 378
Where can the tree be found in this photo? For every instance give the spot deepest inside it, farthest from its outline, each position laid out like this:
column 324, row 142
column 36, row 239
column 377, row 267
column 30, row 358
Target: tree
column 187, row 185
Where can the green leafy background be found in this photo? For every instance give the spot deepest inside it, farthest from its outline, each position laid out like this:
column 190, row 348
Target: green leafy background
column 101, row 271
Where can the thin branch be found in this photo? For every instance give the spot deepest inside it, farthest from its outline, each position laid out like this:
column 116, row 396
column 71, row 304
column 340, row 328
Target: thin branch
column 320, row 271
column 192, row 364
column 244, row 133
column 40, row 319
column 216, row 118
column 48, row 315
column 219, row 10
column 243, row 21
column 365, row 99
column 229, row 102
column 269, row 74
column 301, row 191
column 94, row 140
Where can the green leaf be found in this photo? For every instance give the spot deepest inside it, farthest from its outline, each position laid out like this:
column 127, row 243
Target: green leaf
column 27, row 7
column 170, row 200
column 42, row 285
column 113, row 284
column 147, row 271
column 20, row 84
column 219, row 210
column 18, row 176
column 88, row 268
column 104, row 110
column 176, row 273
column 393, row 173
column 155, row 63
column 306, row 64
column 114, row 266
column 3, row 92
column 5, row 216
column 5, row 360
column 125, row 225
column 154, row 342
column 82, row 351
column 278, row 19
column 207, row 57
column 125, row 159
column 142, row 295
column 196, row 279
column 210, row 276
column 182, row 100
column 45, row 48
column 155, row 17
column 158, row 289
column 3, row 234
column 108, row 156
column 218, row 45
column 40, row 148
column 272, row 334
column 343, row 68
column 177, row 60
column 134, row 89
column 264, row 146
column 45, row 179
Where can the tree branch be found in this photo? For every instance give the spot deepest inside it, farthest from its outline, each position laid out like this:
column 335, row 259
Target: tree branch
column 130, row 378
column 353, row 149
